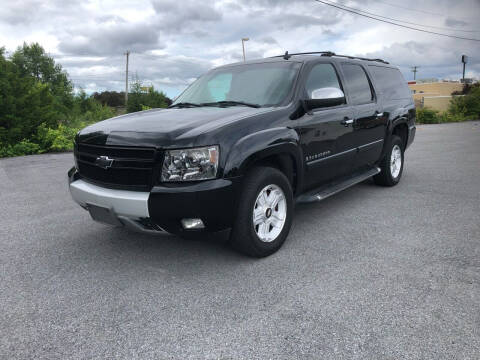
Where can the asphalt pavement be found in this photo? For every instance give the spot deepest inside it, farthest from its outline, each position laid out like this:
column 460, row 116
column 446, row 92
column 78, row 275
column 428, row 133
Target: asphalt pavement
column 370, row 273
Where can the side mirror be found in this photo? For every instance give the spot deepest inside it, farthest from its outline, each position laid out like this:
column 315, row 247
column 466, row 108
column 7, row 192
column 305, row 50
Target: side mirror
column 325, row 97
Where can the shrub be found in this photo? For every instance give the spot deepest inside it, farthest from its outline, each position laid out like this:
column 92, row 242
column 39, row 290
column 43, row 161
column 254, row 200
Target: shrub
column 461, row 108
column 428, row 116
column 451, row 117
column 467, row 105
column 86, row 110
column 23, row 147
column 63, row 140
column 60, row 139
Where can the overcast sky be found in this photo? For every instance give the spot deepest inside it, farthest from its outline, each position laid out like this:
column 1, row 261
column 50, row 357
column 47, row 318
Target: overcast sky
column 174, row 41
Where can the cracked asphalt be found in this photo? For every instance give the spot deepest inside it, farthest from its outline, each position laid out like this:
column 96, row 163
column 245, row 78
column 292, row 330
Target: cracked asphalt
column 370, row 273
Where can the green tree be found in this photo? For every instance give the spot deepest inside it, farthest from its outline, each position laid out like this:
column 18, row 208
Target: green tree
column 86, row 110
column 140, row 99
column 26, row 104
column 39, row 111
column 110, row 98
column 135, row 97
column 8, row 80
column 32, row 61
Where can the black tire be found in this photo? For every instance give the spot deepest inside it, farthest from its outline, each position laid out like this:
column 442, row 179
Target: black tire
column 243, row 236
column 385, row 177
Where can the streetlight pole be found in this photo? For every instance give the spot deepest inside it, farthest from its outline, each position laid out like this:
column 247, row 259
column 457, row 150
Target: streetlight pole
column 126, row 78
column 243, row 46
column 464, row 61
column 414, row 70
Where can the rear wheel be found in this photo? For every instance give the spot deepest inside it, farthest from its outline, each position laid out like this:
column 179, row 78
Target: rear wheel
column 392, row 164
column 264, row 214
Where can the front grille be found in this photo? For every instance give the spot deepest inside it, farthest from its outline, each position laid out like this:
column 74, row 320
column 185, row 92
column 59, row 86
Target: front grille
column 132, row 167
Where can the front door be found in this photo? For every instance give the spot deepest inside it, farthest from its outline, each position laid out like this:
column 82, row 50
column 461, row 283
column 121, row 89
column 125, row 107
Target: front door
column 325, row 135
column 369, row 123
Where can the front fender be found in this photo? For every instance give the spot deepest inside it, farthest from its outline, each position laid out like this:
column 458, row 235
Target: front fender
column 262, row 144
column 395, row 122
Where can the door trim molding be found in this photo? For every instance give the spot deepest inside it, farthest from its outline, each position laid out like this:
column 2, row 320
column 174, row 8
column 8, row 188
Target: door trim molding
column 317, row 161
column 370, row 144
column 357, row 149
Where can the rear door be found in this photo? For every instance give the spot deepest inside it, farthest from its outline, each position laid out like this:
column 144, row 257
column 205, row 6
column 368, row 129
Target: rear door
column 323, row 134
column 369, row 126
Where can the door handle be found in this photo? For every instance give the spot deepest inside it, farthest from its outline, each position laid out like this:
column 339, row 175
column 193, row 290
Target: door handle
column 347, row 122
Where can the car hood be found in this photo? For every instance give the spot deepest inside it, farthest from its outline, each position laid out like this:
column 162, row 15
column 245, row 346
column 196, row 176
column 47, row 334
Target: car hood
column 164, row 127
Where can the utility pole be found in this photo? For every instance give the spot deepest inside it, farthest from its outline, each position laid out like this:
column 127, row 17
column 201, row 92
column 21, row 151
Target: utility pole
column 126, row 79
column 414, row 70
column 243, row 47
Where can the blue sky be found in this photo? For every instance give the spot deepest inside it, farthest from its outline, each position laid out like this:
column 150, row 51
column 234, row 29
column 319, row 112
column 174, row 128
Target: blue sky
column 173, row 42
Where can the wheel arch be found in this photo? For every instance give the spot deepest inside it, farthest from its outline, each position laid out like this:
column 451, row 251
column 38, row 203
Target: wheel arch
column 400, row 128
column 277, row 147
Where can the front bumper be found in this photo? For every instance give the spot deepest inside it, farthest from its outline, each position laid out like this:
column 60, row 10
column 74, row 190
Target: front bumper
column 131, row 204
column 163, row 208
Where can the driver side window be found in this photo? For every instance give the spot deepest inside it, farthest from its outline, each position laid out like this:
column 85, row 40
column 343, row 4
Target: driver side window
column 322, row 76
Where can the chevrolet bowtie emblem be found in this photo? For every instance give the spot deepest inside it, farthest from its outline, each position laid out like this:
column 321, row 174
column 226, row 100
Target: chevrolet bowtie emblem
column 104, row 162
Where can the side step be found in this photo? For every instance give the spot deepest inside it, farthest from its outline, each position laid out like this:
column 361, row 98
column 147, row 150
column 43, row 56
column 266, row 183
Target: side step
column 325, row 191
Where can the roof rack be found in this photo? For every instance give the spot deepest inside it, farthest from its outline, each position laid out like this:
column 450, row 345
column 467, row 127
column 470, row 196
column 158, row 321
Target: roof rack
column 287, row 56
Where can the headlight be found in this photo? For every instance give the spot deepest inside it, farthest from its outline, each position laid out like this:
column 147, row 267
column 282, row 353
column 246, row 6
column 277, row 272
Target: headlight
column 190, row 164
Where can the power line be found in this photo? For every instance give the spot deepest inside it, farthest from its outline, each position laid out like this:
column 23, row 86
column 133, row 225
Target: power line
column 410, row 9
column 411, row 23
column 393, row 23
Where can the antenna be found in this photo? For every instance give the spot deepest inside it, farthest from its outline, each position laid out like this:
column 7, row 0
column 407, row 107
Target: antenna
column 286, row 56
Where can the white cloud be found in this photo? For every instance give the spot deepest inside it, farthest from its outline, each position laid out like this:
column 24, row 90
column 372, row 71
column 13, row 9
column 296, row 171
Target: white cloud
column 172, row 42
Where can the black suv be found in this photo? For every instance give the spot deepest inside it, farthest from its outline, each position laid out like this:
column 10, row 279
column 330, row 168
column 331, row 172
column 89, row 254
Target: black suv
column 244, row 143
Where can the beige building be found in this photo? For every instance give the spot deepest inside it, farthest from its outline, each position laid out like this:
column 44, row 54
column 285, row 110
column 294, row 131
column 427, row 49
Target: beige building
column 434, row 95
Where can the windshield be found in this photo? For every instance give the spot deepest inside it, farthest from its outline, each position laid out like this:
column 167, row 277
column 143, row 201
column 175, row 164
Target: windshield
column 261, row 84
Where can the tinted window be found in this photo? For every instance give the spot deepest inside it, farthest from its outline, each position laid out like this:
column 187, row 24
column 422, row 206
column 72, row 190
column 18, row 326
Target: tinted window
column 357, row 84
column 390, row 83
column 321, row 76
column 263, row 84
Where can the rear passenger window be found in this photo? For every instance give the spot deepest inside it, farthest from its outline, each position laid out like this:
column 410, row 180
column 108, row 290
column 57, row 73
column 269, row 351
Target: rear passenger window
column 322, row 76
column 390, row 82
column 357, row 84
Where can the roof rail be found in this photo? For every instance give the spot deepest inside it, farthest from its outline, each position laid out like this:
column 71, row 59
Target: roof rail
column 286, row 56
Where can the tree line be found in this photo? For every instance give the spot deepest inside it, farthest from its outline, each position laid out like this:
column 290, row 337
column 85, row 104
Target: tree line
column 41, row 112
column 150, row 98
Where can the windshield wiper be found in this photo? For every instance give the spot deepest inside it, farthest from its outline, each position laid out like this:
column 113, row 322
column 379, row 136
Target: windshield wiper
column 230, row 103
column 184, row 104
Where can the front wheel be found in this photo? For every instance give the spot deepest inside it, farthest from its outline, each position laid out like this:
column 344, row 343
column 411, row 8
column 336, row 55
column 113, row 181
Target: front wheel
column 264, row 214
column 392, row 164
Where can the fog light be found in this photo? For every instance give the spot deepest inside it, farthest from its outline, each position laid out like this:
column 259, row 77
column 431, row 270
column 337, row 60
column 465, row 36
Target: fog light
column 190, row 224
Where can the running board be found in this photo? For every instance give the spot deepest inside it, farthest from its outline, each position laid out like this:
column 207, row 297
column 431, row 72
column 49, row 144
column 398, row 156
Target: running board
column 325, row 191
